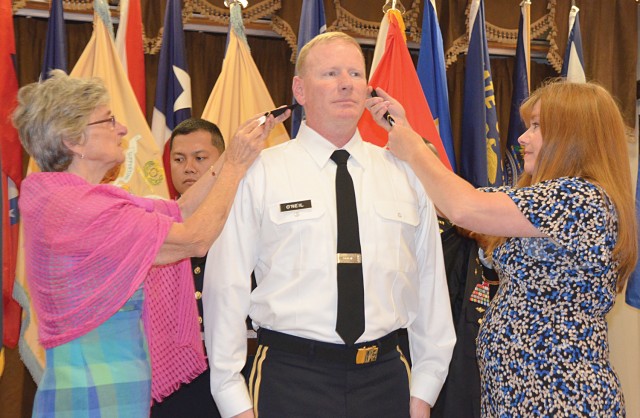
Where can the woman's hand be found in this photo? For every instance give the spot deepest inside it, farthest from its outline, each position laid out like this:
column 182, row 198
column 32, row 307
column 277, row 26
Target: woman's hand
column 378, row 106
column 405, row 143
column 250, row 139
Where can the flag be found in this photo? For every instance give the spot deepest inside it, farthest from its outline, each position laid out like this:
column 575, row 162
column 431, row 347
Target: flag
column 1, row 304
column 632, row 295
column 173, row 88
column 433, row 77
column 573, row 65
column 480, row 161
column 130, row 48
column 10, row 176
column 381, row 44
column 513, row 163
column 141, row 173
column 396, row 74
column 55, row 50
column 312, row 23
column 240, row 91
column 55, row 57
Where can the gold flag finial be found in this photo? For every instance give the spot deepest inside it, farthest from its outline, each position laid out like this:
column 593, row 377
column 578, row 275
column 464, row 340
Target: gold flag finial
column 394, row 5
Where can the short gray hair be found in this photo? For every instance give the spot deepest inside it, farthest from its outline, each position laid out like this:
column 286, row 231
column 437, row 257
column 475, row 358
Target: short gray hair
column 53, row 111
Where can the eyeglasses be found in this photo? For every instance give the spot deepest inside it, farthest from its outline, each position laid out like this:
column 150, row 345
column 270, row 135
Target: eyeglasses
column 112, row 120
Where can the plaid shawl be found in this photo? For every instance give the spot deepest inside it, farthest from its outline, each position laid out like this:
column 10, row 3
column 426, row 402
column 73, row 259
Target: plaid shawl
column 88, row 248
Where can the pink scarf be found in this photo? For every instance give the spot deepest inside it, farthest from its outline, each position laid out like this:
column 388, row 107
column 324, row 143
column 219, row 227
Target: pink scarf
column 88, row 249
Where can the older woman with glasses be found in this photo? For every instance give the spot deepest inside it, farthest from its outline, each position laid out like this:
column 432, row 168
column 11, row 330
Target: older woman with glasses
column 107, row 271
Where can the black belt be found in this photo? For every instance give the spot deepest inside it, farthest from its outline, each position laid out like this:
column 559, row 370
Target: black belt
column 360, row 353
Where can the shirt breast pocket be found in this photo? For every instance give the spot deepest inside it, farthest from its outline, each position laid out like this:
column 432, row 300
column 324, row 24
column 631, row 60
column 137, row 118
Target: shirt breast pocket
column 396, row 234
column 301, row 234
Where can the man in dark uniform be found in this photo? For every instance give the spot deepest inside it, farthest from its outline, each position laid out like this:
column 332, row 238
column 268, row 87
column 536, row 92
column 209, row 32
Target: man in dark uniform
column 195, row 145
column 472, row 285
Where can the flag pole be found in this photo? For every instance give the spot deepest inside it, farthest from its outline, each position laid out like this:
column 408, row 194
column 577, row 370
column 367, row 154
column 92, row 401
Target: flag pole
column 229, row 3
column 526, row 12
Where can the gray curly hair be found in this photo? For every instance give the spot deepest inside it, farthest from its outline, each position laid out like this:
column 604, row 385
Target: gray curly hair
column 54, row 111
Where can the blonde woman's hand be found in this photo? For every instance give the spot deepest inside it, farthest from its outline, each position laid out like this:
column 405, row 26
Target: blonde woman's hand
column 378, row 106
column 405, row 143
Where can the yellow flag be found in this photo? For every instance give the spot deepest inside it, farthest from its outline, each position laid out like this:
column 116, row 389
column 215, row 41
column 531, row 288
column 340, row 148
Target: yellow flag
column 142, row 173
column 240, row 91
column 31, row 352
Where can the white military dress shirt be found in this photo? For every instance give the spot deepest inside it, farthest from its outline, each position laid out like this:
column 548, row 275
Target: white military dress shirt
column 283, row 226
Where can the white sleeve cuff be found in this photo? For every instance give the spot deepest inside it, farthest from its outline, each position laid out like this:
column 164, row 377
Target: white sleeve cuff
column 233, row 400
column 425, row 387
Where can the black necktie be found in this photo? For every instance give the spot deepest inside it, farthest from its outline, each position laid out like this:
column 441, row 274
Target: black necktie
column 350, row 320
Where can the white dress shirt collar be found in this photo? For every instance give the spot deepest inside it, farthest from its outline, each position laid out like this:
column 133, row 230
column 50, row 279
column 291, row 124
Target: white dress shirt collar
column 320, row 149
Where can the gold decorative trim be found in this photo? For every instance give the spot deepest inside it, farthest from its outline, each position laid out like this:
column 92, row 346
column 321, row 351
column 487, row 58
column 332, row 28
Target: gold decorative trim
column 411, row 21
column 510, row 36
column 347, row 21
column 77, row 4
column 221, row 15
column 206, row 10
column 284, row 29
column 19, row 4
column 546, row 24
column 152, row 45
column 459, row 46
column 554, row 57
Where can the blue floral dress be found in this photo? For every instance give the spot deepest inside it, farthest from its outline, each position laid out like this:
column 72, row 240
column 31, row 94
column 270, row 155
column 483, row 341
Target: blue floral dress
column 542, row 347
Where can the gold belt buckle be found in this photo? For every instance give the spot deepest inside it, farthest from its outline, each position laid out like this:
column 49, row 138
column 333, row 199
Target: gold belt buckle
column 367, row 354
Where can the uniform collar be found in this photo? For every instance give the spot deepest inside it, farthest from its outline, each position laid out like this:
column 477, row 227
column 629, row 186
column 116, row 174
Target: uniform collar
column 320, row 149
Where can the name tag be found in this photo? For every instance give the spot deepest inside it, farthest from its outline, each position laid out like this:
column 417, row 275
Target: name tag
column 287, row 207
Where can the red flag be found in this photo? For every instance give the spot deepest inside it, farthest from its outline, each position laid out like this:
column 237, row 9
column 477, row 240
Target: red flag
column 130, row 48
column 11, row 154
column 396, row 74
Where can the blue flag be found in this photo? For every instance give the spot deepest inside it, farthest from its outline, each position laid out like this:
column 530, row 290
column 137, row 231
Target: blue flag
column 55, row 50
column 173, row 88
column 514, row 164
column 480, row 159
column 433, row 77
column 573, row 65
column 632, row 296
column 312, row 23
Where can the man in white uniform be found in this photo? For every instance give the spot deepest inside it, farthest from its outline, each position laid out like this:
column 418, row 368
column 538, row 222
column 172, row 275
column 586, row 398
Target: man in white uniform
column 284, row 225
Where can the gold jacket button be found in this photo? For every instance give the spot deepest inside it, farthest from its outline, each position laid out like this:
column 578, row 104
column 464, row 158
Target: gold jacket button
column 198, row 295
column 199, row 320
column 197, row 270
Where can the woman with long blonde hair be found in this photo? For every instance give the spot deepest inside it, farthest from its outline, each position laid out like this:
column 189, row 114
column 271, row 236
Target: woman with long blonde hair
column 563, row 242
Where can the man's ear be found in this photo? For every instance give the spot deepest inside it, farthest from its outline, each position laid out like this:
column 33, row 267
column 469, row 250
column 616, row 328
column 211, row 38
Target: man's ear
column 298, row 89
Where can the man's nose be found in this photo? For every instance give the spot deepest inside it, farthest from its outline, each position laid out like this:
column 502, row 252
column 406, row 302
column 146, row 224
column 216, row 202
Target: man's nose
column 346, row 82
column 189, row 166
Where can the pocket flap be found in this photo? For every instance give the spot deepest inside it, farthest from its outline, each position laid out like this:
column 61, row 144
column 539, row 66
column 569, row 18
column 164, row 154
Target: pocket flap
column 398, row 211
